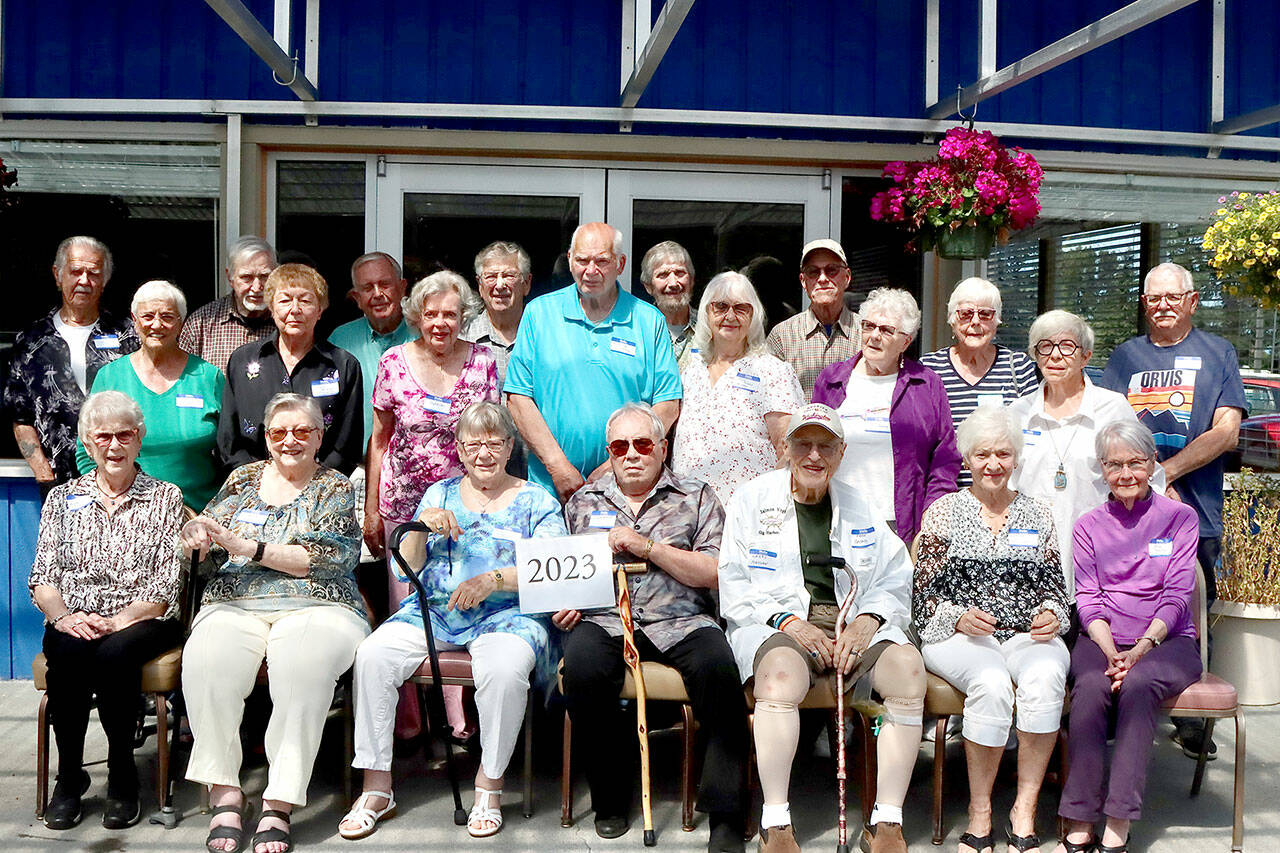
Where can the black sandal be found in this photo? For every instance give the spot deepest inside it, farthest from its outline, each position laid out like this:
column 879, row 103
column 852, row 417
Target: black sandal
column 1022, row 843
column 978, row 842
column 1080, row 846
column 235, row 833
column 1119, row 848
column 267, row 836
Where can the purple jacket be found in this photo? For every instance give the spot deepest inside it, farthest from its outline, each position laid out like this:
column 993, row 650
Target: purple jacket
column 925, row 458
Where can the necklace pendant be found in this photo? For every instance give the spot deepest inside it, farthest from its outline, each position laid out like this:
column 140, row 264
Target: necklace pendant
column 1060, row 479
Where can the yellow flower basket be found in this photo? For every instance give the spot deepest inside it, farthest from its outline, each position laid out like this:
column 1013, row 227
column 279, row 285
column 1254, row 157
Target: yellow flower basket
column 1243, row 245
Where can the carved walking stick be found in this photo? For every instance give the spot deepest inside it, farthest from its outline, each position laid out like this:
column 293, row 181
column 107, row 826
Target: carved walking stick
column 842, row 836
column 632, row 656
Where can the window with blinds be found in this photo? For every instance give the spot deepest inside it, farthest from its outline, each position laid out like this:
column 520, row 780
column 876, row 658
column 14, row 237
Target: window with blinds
column 1015, row 269
column 1097, row 274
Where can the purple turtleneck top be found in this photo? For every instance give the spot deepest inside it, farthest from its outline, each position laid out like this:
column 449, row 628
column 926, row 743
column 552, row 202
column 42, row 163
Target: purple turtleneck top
column 1136, row 565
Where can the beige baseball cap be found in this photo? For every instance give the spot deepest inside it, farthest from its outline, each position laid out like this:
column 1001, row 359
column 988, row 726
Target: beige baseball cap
column 816, row 414
column 826, row 243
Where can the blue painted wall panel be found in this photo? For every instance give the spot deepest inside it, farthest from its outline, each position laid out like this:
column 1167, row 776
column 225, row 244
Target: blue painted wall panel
column 23, row 622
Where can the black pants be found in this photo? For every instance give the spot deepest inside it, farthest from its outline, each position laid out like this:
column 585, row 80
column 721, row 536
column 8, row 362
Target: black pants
column 111, row 669
column 593, row 674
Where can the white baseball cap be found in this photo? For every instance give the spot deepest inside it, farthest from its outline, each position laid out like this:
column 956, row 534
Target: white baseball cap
column 816, row 414
column 826, row 243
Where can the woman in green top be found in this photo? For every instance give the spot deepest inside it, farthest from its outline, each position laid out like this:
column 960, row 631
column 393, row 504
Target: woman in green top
column 180, row 396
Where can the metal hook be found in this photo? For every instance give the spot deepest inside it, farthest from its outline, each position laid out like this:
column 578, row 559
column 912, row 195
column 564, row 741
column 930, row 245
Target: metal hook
column 292, row 79
column 968, row 118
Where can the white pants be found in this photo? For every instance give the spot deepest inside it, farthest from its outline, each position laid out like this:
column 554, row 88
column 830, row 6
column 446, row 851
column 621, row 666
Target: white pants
column 500, row 664
column 994, row 676
column 306, row 650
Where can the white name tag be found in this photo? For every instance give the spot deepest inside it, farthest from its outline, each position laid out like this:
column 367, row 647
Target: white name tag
column 877, row 423
column 106, row 341
column 1025, row 537
column 602, row 519
column 1160, row 548
column 565, row 573
column 324, row 388
column 1186, row 362
column 1030, row 437
column 622, row 345
column 503, row 533
column 190, row 401
column 990, row 399
column 439, row 405
column 862, row 537
column 762, row 558
column 746, row 382
column 75, row 502
column 256, row 517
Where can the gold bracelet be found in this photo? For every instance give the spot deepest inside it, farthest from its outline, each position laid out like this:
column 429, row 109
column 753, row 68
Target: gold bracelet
column 648, row 549
column 497, row 575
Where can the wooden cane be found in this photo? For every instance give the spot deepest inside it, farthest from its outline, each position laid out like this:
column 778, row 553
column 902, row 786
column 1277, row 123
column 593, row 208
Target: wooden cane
column 632, row 657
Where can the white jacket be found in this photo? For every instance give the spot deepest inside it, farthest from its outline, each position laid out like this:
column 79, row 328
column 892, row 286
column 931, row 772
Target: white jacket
column 760, row 571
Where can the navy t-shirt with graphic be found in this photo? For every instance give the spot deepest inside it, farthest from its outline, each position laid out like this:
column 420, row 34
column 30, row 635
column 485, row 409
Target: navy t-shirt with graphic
column 1174, row 391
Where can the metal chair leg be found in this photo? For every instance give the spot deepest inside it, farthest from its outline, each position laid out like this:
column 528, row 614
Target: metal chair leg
column 868, row 771
column 1237, row 818
column 42, row 755
column 566, row 786
column 162, row 747
column 939, row 769
column 686, row 769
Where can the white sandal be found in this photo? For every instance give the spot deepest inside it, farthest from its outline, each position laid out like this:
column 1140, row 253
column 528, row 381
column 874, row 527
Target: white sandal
column 366, row 817
column 482, row 812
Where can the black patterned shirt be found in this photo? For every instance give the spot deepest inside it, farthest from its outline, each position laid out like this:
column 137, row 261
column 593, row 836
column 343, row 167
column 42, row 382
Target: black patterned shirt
column 102, row 563
column 42, row 390
column 681, row 512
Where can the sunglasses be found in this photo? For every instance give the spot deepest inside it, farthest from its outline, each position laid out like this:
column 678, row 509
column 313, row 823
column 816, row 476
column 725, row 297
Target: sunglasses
column 887, row 331
column 301, row 433
column 124, row 436
column 619, row 446
column 743, row 310
column 986, row 315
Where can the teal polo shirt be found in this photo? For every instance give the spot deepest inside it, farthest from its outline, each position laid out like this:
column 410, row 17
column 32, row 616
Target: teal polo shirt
column 359, row 339
column 578, row 372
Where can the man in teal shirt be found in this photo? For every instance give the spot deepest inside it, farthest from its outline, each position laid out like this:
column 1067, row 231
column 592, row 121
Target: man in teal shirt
column 581, row 352
column 377, row 286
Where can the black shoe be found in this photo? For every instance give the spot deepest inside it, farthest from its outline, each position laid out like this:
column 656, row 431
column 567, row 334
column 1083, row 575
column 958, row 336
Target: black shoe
column 64, row 810
column 1189, row 734
column 726, row 833
column 121, row 814
column 612, row 827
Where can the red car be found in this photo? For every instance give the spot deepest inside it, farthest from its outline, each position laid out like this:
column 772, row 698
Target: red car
column 1259, row 446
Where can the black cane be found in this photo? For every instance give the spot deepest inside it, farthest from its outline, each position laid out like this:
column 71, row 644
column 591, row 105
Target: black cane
column 437, row 689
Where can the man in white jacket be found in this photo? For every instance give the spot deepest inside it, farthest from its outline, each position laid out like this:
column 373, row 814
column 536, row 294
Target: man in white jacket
column 789, row 536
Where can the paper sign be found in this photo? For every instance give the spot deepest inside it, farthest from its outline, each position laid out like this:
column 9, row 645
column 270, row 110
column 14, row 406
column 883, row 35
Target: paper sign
column 565, row 573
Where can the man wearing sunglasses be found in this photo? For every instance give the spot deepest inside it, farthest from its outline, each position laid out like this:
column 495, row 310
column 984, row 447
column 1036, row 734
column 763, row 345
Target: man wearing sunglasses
column 580, row 353
column 672, row 525
column 826, row 331
column 1184, row 385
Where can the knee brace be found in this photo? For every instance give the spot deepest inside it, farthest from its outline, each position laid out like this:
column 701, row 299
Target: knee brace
column 904, row 712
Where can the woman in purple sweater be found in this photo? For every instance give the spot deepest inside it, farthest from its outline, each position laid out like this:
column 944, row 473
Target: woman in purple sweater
column 901, row 443
column 1135, row 559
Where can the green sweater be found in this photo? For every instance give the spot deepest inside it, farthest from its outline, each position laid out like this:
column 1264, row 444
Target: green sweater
column 182, row 426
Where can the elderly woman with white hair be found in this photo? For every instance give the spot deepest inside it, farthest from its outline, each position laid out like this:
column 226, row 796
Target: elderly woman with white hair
column 284, row 539
column 180, row 396
column 1135, row 565
column 738, row 397
column 975, row 370
column 106, row 579
column 990, row 605
column 1059, row 422
column 897, row 422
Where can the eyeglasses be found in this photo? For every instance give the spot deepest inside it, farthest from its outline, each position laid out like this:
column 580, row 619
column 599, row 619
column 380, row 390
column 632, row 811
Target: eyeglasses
column 966, row 315
column 1112, row 466
column 619, row 446
column 888, row 331
column 301, row 433
column 1067, row 349
column 740, row 309
column 804, row 447
column 1155, row 300
column 124, row 436
column 830, row 271
column 508, row 276
column 493, row 445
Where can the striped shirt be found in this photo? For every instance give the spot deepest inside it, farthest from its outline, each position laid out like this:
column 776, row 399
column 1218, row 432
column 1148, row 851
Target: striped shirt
column 1012, row 375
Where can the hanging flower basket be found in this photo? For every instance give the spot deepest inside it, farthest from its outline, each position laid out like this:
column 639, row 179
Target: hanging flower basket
column 975, row 191
column 1243, row 245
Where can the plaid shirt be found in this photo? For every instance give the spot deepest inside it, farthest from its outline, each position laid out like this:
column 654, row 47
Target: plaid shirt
column 682, row 512
column 216, row 330
column 803, row 343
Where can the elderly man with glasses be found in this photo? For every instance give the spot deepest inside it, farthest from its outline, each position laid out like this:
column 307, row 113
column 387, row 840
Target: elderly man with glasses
column 1184, row 384
column 672, row 525
column 826, row 332
column 216, row 330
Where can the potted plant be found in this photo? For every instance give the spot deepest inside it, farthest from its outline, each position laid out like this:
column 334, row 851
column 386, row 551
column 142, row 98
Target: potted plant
column 1245, row 619
column 1243, row 244
column 975, row 191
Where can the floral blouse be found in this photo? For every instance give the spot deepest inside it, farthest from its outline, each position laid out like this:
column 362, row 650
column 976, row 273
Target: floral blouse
column 485, row 544
column 102, row 563
column 961, row 564
column 321, row 519
column 422, row 449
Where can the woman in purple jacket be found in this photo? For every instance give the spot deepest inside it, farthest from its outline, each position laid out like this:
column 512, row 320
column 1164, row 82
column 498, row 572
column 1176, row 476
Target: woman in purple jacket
column 902, row 452
column 1135, row 559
